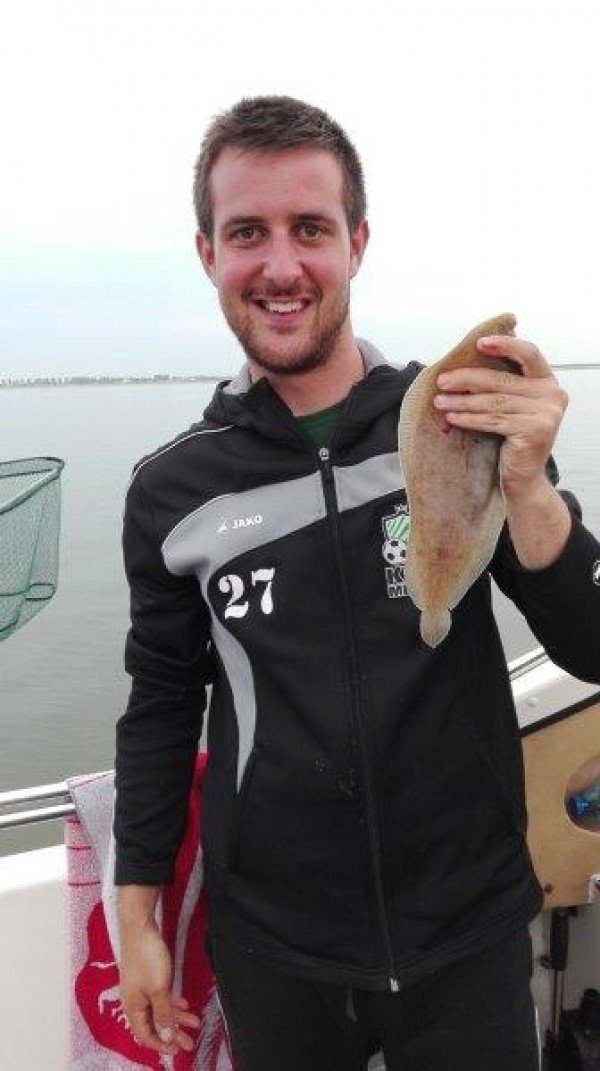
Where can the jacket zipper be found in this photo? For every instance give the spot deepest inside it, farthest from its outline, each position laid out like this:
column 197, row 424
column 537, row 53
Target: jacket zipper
column 333, row 513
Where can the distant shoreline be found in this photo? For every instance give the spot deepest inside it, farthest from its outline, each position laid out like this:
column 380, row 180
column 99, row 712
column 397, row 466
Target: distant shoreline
column 103, row 381
column 160, row 379
column 583, row 364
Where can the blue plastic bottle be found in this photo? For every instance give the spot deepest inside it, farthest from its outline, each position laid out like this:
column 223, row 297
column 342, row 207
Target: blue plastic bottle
column 586, row 804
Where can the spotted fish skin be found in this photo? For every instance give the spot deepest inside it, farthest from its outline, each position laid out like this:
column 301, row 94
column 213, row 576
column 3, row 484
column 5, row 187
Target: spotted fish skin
column 453, row 489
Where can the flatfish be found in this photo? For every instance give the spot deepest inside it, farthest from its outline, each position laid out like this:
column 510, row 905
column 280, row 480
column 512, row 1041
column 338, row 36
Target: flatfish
column 453, row 489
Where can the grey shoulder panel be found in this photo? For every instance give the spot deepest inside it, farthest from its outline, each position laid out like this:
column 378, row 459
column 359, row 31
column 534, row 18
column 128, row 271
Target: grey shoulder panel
column 377, row 476
column 233, row 524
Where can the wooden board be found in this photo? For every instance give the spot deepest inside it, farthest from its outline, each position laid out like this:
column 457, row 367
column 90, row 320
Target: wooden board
column 562, row 759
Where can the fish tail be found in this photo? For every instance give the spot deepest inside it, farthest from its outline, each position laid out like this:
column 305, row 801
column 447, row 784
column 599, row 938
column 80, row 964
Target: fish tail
column 435, row 626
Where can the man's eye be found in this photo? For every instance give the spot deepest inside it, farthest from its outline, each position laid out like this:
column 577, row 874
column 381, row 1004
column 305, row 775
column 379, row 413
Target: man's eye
column 310, row 230
column 246, row 234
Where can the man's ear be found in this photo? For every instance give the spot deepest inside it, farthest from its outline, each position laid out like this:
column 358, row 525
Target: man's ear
column 358, row 244
column 206, row 252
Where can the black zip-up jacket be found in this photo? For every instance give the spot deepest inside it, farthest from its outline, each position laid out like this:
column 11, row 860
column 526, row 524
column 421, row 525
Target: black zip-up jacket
column 363, row 811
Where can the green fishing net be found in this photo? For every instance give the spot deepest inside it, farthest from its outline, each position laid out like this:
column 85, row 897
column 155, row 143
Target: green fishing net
column 29, row 531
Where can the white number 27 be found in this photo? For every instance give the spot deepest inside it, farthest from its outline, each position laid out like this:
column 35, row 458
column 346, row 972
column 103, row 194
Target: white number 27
column 233, row 586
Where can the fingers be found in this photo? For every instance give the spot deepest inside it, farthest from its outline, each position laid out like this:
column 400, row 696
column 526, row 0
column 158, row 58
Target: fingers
column 487, row 391
column 182, row 1015
column 526, row 410
column 159, row 1025
column 534, row 429
column 526, row 354
column 505, row 413
column 142, row 1028
column 169, row 1017
column 485, row 403
column 536, row 376
column 475, row 379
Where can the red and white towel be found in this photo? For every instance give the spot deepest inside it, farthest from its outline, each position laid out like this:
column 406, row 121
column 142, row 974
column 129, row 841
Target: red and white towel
column 99, row 1036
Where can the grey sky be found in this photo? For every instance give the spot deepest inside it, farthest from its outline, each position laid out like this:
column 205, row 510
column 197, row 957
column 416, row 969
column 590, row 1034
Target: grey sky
column 476, row 125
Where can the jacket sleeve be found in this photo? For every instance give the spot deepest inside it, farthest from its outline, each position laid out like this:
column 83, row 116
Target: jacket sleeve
column 168, row 655
column 561, row 602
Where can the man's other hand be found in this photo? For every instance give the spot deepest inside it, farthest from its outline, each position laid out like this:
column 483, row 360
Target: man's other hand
column 155, row 1016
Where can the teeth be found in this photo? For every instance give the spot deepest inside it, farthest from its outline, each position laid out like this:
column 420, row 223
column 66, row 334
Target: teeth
column 282, row 306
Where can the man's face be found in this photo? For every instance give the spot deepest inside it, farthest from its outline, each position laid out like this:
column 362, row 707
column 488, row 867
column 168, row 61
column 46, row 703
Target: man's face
column 281, row 255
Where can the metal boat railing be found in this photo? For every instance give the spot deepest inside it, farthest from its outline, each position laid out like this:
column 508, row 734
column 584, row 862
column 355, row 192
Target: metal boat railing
column 524, row 663
column 58, row 797
column 17, row 797
column 59, row 791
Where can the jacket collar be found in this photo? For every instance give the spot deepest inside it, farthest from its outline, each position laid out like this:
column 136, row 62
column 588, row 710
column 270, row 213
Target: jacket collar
column 371, row 356
column 257, row 407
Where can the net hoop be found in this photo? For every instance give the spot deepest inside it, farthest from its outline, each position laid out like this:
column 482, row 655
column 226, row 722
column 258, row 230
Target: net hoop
column 29, row 537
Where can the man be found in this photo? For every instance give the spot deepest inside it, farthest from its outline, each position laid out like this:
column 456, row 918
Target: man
column 363, row 813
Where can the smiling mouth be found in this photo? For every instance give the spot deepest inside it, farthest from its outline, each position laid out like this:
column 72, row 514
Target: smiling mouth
column 283, row 308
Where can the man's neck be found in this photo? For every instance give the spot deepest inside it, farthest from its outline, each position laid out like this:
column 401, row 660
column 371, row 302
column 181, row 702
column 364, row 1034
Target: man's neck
column 309, row 392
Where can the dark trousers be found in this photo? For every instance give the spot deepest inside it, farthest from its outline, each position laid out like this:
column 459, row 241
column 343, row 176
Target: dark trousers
column 475, row 1015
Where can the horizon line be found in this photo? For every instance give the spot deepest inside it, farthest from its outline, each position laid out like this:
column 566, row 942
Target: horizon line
column 49, row 379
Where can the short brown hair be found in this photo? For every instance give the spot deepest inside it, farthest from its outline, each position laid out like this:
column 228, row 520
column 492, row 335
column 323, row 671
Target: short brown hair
column 271, row 124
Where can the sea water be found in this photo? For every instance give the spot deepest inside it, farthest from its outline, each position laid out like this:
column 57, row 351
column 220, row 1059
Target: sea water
column 62, row 683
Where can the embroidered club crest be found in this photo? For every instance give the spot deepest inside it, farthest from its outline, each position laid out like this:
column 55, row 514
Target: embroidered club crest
column 396, row 528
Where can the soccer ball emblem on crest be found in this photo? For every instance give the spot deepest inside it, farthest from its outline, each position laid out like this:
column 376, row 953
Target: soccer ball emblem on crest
column 394, row 551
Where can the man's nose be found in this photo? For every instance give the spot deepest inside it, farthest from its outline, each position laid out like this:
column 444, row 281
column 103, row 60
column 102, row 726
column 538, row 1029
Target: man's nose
column 282, row 266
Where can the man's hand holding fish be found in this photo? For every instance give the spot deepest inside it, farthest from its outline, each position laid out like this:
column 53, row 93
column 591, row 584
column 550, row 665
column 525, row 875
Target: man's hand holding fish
column 526, row 409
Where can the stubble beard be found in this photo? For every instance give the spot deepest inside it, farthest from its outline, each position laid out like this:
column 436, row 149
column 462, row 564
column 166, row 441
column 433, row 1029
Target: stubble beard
column 305, row 359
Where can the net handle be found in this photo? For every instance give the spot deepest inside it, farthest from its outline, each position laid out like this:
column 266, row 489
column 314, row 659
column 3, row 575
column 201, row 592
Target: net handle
column 46, row 477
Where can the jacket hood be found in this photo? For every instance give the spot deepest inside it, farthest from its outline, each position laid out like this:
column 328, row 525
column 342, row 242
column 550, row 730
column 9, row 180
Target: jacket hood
column 258, row 407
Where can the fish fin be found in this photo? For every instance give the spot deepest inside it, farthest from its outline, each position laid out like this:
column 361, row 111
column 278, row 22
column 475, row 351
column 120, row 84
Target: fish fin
column 466, row 352
column 435, row 627
column 410, row 578
column 415, row 399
